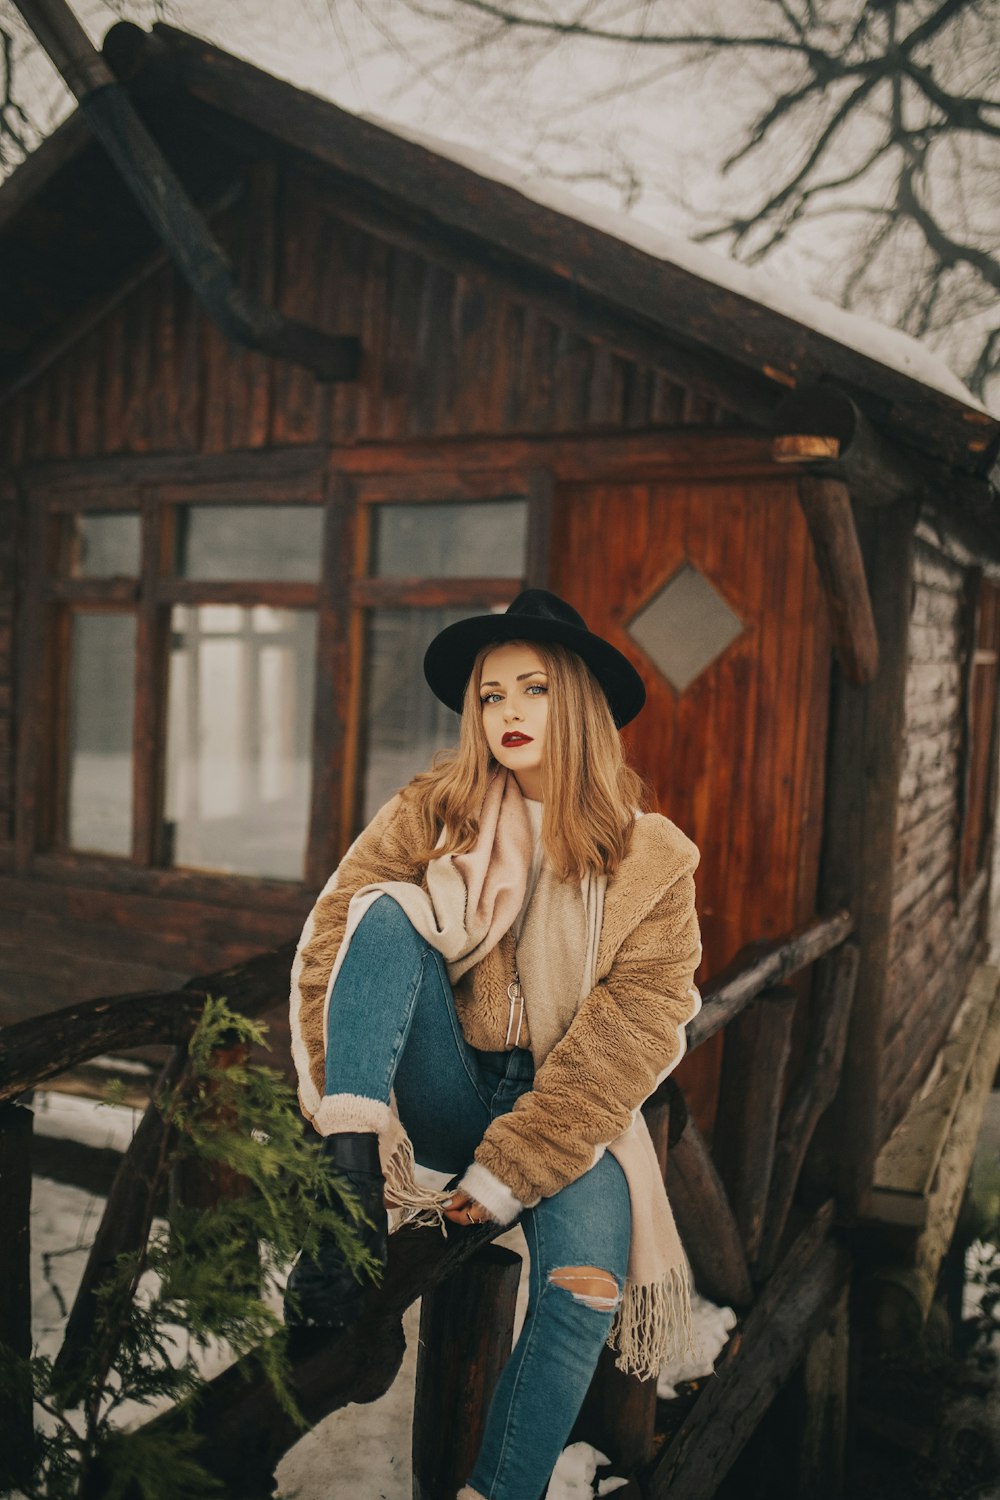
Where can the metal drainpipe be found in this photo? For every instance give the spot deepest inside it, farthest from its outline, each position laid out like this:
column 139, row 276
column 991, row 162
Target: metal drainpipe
column 171, row 211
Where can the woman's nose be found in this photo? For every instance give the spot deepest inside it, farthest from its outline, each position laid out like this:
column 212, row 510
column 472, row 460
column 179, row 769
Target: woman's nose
column 511, row 711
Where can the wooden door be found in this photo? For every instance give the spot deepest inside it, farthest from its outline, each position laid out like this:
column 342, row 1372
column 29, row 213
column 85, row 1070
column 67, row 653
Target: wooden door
column 736, row 757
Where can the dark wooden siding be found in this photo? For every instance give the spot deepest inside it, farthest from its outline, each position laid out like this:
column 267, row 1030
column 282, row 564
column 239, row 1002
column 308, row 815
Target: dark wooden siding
column 443, row 355
column 934, row 935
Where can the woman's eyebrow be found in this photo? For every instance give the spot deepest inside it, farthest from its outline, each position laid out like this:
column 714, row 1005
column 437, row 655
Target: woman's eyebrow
column 539, row 672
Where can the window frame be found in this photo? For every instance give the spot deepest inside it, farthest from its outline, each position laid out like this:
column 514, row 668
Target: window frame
column 980, row 730
column 448, row 487
column 41, row 845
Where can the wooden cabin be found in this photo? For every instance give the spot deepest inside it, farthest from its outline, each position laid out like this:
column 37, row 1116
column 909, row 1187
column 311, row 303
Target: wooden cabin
column 220, row 570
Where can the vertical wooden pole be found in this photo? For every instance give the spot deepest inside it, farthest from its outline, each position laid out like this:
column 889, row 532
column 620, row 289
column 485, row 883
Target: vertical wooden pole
column 466, row 1328
column 16, row 1426
column 619, row 1411
column 856, row 869
column 758, row 1042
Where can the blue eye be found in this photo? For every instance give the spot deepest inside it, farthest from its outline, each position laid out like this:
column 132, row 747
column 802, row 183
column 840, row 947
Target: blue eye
column 488, row 698
column 539, row 686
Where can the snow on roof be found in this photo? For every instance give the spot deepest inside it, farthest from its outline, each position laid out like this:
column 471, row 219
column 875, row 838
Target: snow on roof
column 886, row 346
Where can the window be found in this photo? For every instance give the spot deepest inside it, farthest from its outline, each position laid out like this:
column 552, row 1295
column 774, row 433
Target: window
column 182, row 642
column 232, row 674
column 430, row 561
column 980, row 719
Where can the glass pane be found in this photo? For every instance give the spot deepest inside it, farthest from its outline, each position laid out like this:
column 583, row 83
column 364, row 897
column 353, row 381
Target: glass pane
column 404, row 722
column 233, row 542
column 101, row 545
column 685, row 627
column 101, row 703
column 485, row 540
column 239, row 738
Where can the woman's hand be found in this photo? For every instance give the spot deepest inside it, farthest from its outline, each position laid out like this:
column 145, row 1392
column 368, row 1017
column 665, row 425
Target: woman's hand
column 462, row 1209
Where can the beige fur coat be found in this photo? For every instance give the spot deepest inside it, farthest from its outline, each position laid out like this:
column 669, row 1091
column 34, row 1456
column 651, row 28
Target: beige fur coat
column 625, row 1035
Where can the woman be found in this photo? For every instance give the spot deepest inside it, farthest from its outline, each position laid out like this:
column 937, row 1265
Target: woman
column 495, row 978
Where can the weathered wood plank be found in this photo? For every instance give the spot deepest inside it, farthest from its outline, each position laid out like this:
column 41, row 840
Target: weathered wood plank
column 759, row 965
column 826, row 504
column 757, row 1047
column 755, row 1363
column 31, row 1051
column 123, row 1230
column 908, row 1162
column 704, row 1216
column 812, row 1093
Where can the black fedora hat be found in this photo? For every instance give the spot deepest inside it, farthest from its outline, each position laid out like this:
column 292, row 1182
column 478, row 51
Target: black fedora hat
column 535, row 615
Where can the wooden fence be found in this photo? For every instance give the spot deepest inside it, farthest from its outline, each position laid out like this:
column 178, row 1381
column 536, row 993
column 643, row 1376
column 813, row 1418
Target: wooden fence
column 749, row 1243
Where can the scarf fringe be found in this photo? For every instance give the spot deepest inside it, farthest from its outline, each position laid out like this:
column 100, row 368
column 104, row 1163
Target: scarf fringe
column 411, row 1203
column 653, row 1323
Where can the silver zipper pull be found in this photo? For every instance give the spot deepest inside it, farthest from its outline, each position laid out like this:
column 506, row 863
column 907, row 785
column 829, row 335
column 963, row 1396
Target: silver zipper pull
column 515, row 997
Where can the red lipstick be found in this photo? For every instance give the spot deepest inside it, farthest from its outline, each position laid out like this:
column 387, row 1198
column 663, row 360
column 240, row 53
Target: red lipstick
column 514, row 737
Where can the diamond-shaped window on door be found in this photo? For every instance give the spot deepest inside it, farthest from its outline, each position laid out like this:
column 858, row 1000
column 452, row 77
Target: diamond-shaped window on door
column 685, row 627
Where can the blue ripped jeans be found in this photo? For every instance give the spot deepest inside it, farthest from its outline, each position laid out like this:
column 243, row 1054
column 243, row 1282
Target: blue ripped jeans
column 393, row 1025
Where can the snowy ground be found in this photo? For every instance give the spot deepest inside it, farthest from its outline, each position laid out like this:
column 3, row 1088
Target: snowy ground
column 367, row 1447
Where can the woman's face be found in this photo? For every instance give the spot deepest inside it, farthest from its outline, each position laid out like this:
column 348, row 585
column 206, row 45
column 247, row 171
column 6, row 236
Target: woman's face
column 514, row 691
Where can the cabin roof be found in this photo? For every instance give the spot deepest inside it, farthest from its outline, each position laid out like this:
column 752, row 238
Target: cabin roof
column 756, row 338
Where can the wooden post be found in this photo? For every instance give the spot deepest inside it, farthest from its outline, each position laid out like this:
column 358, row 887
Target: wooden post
column 466, row 1327
column 746, row 1122
column 124, row 1229
column 705, row 1221
column 836, row 978
column 16, row 1425
column 619, row 1411
column 775, row 1336
column 856, row 871
column 826, row 505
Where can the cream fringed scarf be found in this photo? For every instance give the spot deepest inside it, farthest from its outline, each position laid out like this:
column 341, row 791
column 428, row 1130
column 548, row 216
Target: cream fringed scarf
column 471, row 901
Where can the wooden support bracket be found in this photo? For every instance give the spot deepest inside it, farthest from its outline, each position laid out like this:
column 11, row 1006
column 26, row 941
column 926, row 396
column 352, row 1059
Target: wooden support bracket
column 826, row 505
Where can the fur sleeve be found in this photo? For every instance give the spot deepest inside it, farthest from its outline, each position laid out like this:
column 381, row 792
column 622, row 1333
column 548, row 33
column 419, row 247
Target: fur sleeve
column 383, row 851
column 625, row 1037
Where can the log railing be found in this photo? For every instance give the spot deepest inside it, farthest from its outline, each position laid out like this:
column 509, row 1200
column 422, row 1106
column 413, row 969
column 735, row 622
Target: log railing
column 733, row 1205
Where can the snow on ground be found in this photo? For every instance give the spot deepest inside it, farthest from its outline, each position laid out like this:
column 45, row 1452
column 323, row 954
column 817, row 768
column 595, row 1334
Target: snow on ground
column 367, row 1447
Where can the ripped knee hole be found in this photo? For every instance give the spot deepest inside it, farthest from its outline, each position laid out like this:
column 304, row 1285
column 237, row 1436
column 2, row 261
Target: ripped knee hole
column 590, row 1285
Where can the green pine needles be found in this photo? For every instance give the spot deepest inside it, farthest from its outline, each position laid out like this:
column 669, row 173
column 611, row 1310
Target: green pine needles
column 209, row 1276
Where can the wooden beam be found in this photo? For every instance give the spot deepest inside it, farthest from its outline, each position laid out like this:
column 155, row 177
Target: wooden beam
column 826, row 505
column 466, row 1329
column 908, row 1162
column 754, row 1365
column 705, row 1218
column 758, row 965
column 812, row 1093
column 902, row 1296
column 757, row 1047
column 858, row 855
column 32, row 1051
column 123, row 1230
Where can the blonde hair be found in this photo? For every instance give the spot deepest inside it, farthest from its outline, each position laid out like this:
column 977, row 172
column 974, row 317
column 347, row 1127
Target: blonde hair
column 590, row 794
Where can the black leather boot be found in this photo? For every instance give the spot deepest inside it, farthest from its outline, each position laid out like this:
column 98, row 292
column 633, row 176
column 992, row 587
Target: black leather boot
column 326, row 1293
